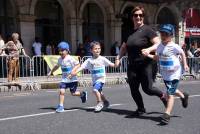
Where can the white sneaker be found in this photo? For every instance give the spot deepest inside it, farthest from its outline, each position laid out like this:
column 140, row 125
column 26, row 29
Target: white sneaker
column 98, row 107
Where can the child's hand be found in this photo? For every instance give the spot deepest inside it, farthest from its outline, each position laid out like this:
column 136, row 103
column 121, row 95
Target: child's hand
column 69, row 76
column 145, row 52
column 49, row 74
column 117, row 62
column 186, row 68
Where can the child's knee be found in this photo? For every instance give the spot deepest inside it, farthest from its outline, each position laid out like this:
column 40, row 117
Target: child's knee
column 62, row 91
column 96, row 91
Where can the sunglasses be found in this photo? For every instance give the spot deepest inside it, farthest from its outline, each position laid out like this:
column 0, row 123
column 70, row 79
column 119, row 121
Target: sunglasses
column 140, row 15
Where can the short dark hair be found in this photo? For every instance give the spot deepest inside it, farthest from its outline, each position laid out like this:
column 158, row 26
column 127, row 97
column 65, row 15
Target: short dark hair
column 94, row 43
column 138, row 8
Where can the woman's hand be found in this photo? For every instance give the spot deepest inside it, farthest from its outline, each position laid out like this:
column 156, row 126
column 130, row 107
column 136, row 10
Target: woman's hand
column 145, row 51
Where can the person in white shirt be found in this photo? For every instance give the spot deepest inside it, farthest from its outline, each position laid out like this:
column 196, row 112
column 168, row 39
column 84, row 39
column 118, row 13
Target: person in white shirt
column 37, row 47
column 168, row 54
column 2, row 46
column 67, row 63
column 96, row 65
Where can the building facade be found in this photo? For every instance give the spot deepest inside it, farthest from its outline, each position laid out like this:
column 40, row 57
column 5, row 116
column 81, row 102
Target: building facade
column 75, row 20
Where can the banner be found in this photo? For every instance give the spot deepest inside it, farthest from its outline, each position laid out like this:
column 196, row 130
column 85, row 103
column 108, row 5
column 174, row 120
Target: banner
column 52, row 60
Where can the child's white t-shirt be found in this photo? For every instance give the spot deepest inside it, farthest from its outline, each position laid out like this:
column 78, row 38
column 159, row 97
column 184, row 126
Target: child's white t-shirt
column 96, row 66
column 170, row 66
column 67, row 64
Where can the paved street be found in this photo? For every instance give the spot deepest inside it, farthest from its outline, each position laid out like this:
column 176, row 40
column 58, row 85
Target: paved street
column 34, row 113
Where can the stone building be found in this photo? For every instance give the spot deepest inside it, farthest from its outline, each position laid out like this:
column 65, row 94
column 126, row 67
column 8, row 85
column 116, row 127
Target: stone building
column 74, row 20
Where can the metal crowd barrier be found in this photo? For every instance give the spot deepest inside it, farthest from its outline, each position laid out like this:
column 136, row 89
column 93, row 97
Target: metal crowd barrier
column 34, row 70
column 24, row 81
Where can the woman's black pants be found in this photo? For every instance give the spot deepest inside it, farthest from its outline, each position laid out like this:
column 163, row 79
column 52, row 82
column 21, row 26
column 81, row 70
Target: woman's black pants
column 142, row 74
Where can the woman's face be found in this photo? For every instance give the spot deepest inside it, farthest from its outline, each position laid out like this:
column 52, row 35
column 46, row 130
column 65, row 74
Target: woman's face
column 138, row 18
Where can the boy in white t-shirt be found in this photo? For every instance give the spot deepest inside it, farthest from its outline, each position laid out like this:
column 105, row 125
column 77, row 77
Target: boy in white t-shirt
column 96, row 65
column 67, row 63
column 168, row 54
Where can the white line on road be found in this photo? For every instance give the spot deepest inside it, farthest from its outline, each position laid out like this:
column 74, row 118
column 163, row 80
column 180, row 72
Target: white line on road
column 192, row 96
column 47, row 113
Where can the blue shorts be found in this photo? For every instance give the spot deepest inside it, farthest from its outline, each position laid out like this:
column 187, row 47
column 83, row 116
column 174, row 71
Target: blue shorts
column 98, row 86
column 72, row 86
column 171, row 86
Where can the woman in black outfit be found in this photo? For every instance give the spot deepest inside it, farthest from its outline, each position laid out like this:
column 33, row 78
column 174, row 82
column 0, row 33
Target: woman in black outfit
column 140, row 68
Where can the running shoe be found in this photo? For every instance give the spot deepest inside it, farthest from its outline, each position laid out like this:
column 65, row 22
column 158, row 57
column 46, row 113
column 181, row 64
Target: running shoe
column 84, row 96
column 106, row 104
column 185, row 100
column 60, row 109
column 165, row 118
column 98, row 107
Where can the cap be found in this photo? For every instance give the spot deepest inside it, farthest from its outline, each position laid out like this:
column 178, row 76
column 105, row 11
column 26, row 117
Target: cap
column 63, row 45
column 167, row 28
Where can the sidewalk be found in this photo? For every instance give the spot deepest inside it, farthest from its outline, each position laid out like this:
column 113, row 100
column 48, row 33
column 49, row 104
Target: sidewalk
column 43, row 82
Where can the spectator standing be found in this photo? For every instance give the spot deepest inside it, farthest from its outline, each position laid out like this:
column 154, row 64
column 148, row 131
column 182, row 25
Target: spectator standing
column 2, row 46
column 115, row 49
column 49, row 49
column 80, row 50
column 37, row 47
column 14, row 48
column 87, row 47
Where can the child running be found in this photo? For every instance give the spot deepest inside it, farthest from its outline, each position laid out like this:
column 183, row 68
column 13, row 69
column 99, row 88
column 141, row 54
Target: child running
column 67, row 63
column 96, row 65
column 168, row 54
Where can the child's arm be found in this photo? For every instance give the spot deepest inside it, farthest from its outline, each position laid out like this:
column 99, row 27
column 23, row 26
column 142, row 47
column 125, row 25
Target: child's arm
column 53, row 69
column 74, row 71
column 154, row 57
column 79, row 68
column 185, row 65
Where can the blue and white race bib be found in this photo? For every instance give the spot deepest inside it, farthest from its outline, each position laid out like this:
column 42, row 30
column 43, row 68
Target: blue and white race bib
column 166, row 63
column 98, row 72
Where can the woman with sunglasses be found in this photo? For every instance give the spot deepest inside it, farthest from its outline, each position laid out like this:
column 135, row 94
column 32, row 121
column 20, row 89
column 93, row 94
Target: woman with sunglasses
column 140, row 68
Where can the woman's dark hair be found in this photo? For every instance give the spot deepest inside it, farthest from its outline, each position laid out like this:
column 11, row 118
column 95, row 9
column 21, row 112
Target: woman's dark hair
column 138, row 8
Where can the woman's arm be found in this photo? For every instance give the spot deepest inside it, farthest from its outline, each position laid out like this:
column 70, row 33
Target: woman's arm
column 155, row 41
column 122, row 52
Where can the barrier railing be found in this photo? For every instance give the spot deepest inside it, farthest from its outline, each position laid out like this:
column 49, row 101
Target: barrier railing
column 34, row 70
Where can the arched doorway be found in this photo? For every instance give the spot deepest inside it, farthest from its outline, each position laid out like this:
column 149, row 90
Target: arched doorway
column 93, row 22
column 127, row 24
column 49, row 23
column 7, row 18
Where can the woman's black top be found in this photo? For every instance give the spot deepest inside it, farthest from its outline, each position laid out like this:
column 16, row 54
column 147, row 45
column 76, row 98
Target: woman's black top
column 138, row 40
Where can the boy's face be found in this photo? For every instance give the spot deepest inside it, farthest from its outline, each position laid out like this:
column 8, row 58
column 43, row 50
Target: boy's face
column 165, row 37
column 96, row 50
column 63, row 52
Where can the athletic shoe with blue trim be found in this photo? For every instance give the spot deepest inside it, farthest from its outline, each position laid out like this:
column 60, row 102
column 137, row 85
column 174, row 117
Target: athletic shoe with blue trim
column 60, row 109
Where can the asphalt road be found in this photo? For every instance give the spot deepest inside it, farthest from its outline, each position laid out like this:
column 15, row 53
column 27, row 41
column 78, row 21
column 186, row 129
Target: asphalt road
column 34, row 113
